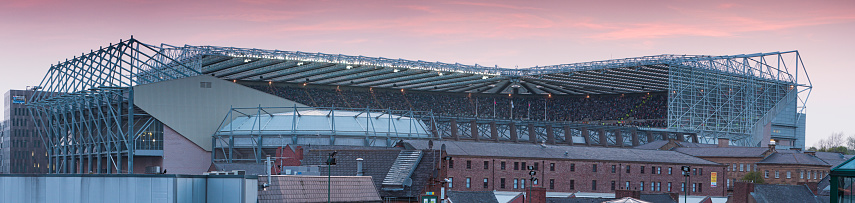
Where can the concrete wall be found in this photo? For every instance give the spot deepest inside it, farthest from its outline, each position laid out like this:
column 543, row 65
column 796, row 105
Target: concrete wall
column 127, row 188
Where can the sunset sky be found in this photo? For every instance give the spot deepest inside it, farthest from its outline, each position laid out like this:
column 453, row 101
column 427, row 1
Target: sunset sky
column 37, row 33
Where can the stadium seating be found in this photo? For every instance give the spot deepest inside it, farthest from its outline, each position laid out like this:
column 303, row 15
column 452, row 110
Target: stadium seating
column 644, row 110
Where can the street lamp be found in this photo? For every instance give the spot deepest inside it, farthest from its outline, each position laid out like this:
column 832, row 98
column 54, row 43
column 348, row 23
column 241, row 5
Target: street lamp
column 686, row 174
column 330, row 162
column 531, row 172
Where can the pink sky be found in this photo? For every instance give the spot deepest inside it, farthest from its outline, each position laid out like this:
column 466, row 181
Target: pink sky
column 37, row 33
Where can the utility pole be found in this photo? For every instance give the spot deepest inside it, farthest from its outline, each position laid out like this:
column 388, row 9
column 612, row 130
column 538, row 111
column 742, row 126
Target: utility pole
column 531, row 172
column 686, row 174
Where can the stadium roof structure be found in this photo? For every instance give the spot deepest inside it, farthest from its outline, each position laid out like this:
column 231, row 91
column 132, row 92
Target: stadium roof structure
column 731, row 96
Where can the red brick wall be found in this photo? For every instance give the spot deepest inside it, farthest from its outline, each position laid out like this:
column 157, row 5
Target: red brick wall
column 582, row 177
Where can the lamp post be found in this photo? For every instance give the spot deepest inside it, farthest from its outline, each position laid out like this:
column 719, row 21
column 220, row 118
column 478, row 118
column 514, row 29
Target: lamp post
column 531, row 173
column 686, row 174
column 330, row 162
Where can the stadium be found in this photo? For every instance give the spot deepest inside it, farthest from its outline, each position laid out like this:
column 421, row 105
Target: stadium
column 130, row 105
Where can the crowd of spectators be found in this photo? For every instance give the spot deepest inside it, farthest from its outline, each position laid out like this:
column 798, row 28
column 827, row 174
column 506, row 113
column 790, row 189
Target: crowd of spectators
column 646, row 109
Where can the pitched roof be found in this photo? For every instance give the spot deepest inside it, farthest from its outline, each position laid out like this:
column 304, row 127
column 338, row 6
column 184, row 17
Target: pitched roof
column 577, row 200
column 783, row 193
column 658, row 198
column 314, row 189
column 793, row 158
column 487, row 149
column 723, row 151
column 832, row 158
column 658, row 144
column 472, row 197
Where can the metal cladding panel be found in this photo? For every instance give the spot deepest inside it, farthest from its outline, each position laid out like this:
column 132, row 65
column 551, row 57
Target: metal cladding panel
column 314, row 122
column 190, row 190
column 225, row 190
column 194, row 110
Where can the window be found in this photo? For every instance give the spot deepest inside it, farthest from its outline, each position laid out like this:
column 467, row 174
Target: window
column 572, row 184
column 485, row 183
column 693, row 187
column 776, row 174
column 486, row 164
column 788, row 174
column 468, row 182
column 642, row 169
column 669, row 172
column 536, row 166
column 594, row 169
column 502, row 164
column 694, row 171
column 734, row 167
column 594, row 185
column 522, row 183
column 468, row 164
column 551, row 166
column 728, row 183
column 627, row 171
column 613, row 185
column 766, row 174
column 741, row 167
column 516, row 183
column 700, row 171
column 700, row 187
column 669, row 187
column 534, row 182
column 748, row 167
column 572, row 167
column 641, row 186
column 502, row 183
column 516, row 165
column 801, row 174
column 682, row 187
column 627, row 185
column 652, row 186
column 450, row 182
column 450, row 163
column 658, row 170
column 552, row 184
column 522, row 166
column 614, row 168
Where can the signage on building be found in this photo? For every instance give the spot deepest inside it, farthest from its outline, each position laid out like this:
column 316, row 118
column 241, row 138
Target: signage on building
column 713, row 179
column 18, row 99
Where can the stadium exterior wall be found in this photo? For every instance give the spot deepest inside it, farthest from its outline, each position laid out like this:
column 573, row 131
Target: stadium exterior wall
column 195, row 106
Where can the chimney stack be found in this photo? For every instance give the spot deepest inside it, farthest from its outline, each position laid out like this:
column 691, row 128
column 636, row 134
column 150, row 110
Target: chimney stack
column 723, row 142
column 359, row 167
column 772, row 144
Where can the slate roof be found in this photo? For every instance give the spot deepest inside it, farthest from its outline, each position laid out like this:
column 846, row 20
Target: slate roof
column 652, row 145
column 657, row 198
column 377, row 162
column 832, row 158
column 655, row 145
column 723, row 151
column 314, row 189
column 784, row 193
column 793, row 158
column 487, row 149
column 472, row 197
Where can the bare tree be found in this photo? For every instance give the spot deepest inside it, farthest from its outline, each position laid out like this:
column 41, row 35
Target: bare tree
column 836, row 139
column 850, row 142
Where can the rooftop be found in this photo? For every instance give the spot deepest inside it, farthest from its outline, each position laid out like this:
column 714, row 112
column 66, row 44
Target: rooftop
column 723, row 151
column 486, row 149
column 793, row 158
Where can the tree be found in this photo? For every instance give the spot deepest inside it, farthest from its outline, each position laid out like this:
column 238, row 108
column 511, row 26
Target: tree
column 755, row 177
column 836, row 139
column 812, row 149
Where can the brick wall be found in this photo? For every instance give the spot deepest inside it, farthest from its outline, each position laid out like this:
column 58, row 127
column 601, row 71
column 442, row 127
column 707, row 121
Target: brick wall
column 581, row 176
column 795, row 173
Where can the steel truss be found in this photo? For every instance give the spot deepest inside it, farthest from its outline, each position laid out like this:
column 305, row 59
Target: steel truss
column 85, row 113
column 734, row 97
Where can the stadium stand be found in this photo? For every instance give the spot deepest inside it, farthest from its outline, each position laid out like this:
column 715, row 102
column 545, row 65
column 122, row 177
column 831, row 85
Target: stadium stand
column 644, row 110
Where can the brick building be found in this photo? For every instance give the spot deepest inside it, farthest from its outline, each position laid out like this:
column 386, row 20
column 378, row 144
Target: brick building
column 480, row 166
column 777, row 166
column 22, row 150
